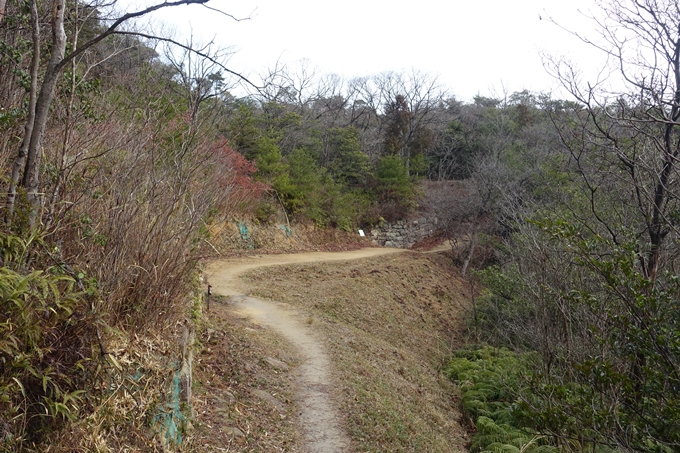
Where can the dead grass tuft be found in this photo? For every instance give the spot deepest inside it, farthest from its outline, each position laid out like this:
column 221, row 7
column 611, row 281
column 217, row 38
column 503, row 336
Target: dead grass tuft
column 133, row 387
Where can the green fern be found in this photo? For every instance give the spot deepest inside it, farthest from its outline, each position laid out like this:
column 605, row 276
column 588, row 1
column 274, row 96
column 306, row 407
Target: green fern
column 488, row 378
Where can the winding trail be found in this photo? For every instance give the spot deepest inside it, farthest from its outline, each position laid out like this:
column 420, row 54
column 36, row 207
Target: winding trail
column 319, row 417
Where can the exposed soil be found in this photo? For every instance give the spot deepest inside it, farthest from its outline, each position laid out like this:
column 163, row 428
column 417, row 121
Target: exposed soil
column 318, row 415
column 333, row 384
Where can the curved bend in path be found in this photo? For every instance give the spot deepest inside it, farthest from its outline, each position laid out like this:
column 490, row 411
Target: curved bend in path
column 319, row 416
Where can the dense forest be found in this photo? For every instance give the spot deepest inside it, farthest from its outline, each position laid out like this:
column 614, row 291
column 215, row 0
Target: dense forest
column 120, row 149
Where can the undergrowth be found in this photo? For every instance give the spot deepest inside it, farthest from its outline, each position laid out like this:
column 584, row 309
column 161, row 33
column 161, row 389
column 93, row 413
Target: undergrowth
column 70, row 380
column 44, row 357
column 490, row 380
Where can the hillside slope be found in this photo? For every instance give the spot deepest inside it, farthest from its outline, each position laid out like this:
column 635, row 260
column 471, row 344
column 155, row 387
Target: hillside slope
column 387, row 323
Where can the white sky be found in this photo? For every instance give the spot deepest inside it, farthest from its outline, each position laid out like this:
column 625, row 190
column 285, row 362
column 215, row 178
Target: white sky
column 474, row 47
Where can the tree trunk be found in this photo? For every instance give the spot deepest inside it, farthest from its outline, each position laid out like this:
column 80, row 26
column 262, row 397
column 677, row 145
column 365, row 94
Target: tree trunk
column 20, row 160
column 470, row 253
column 68, row 129
column 31, row 176
column 3, row 4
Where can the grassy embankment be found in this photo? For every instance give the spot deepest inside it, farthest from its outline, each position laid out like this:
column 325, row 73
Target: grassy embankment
column 390, row 324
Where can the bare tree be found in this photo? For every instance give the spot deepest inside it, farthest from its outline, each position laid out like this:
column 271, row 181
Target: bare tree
column 630, row 133
column 25, row 172
column 421, row 96
column 201, row 79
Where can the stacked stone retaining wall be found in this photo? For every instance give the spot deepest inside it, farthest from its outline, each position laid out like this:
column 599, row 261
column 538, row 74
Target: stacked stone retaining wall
column 404, row 233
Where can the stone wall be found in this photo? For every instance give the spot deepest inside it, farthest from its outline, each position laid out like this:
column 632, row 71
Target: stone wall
column 403, row 233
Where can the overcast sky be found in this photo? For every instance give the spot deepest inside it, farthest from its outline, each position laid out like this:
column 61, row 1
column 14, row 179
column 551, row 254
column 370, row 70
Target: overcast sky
column 474, row 47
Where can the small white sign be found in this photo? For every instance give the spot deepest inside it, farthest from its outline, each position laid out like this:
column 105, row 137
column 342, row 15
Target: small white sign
column 361, row 233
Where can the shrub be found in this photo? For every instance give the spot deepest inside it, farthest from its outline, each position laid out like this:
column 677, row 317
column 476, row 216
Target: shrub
column 44, row 348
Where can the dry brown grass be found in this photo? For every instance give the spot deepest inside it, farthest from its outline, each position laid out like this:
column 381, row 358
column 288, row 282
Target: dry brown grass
column 390, row 324
column 273, row 238
column 232, row 379
column 131, row 387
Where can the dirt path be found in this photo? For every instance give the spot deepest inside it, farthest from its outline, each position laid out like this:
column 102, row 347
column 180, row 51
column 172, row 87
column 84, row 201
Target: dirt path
column 319, row 416
column 223, row 274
